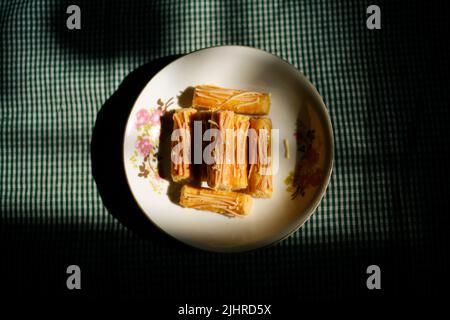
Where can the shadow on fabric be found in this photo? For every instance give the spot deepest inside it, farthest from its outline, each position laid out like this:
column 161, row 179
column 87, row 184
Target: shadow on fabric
column 106, row 153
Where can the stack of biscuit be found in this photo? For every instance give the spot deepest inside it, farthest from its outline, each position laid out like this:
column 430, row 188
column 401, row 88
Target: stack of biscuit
column 240, row 164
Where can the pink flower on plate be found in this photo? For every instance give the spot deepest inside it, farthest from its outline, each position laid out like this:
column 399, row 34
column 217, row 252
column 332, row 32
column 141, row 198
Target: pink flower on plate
column 142, row 117
column 155, row 118
column 144, row 146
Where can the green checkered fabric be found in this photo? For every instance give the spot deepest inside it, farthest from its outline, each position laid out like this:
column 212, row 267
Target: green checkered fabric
column 379, row 86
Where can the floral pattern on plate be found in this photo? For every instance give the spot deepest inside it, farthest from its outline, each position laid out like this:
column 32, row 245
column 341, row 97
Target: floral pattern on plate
column 307, row 173
column 145, row 155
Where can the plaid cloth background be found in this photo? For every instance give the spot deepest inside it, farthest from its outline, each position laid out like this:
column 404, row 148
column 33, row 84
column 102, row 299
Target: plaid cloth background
column 386, row 93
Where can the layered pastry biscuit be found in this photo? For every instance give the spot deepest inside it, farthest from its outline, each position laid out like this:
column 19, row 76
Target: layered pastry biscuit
column 260, row 158
column 240, row 172
column 225, row 202
column 181, row 164
column 216, row 98
column 220, row 170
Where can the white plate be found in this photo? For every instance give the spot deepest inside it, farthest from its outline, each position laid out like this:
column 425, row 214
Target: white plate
column 292, row 96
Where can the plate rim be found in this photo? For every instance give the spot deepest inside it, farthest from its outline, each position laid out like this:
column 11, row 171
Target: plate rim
column 312, row 208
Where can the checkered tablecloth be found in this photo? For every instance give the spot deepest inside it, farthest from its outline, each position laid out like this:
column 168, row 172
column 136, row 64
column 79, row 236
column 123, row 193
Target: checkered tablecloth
column 384, row 90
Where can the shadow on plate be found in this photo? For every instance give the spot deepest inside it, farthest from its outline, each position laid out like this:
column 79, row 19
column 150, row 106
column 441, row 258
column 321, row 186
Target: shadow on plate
column 107, row 149
column 164, row 147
